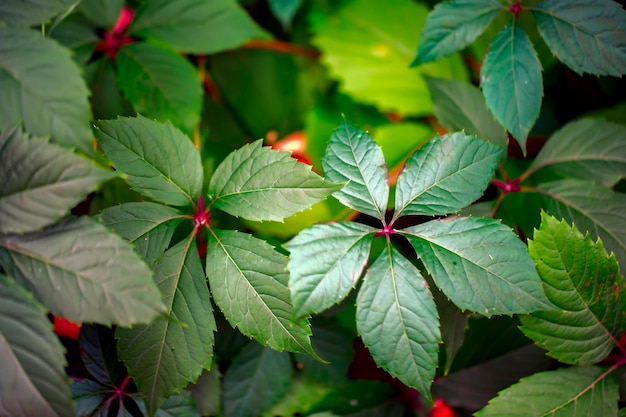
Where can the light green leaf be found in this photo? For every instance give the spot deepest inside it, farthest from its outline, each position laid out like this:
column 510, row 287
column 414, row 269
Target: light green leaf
column 32, row 12
column 398, row 322
column 352, row 155
column 480, row 264
column 160, row 161
column 447, row 174
column 453, row 25
column 248, row 281
column 104, row 13
column 255, row 381
column 284, row 10
column 42, row 88
column 167, row 354
column 586, row 286
column 511, row 81
column 586, row 148
column 41, row 182
column 586, row 35
column 326, row 262
column 81, row 271
column 195, row 26
column 160, row 84
column 259, row 183
column 32, row 381
column 566, row 392
column 399, row 140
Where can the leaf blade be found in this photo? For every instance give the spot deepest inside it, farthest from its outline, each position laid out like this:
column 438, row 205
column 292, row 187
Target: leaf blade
column 15, row 12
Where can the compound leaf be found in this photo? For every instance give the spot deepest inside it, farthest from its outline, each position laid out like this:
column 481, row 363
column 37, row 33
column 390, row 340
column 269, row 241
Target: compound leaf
column 30, row 13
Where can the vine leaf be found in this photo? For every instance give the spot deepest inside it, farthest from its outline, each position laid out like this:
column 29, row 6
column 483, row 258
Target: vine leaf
column 325, row 264
column 586, row 286
column 511, row 81
column 479, row 264
column 398, row 322
column 586, row 35
column 259, row 183
column 160, row 161
column 352, row 155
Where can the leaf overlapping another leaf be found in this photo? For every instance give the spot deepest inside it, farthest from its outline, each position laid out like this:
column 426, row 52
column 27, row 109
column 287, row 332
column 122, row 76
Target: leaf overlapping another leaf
column 21, row 13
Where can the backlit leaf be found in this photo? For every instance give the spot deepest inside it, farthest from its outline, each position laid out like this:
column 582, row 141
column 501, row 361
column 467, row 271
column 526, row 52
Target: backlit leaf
column 32, row 12
column 83, row 272
column 480, row 264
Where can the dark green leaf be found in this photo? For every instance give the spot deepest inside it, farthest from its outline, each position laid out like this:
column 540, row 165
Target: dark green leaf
column 586, row 35
column 83, row 272
column 326, row 262
column 90, row 398
column 398, row 322
column 41, row 182
column 167, row 354
column 352, row 155
column 453, row 25
column 256, row 380
column 447, row 174
column 453, row 322
column 195, row 26
column 160, row 84
column 259, row 183
column 207, row 392
column 32, row 381
column 43, row 89
column 567, row 392
column 284, row 10
column 103, row 13
column 160, row 161
column 181, row 405
column 79, row 35
column 98, row 351
column 512, row 83
column 480, row 264
column 248, row 281
column 31, row 12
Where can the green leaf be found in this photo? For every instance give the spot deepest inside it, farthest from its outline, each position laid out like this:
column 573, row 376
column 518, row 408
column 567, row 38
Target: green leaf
column 461, row 106
column 447, row 174
column 195, row 26
column 207, row 392
column 453, row 323
column 32, row 381
column 326, row 262
column 248, row 281
column 259, row 183
column 567, row 392
column 42, row 88
column 31, row 13
column 103, row 13
column 511, row 81
column 160, row 84
column 480, row 264
column 38, row 187
column 284, row 10
column 586, row 148
column 414, row 136
column 398, row 322
column 586, row 35
column 81, row 271
column 586, row 286
column 256, row 380
column 180, row 405
column 167, row 354
column 453, row 25
column 149, row 226
column 352, row 155
column 160, row 161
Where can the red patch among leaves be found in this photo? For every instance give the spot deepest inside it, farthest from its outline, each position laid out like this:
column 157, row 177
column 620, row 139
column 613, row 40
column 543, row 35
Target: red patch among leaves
column 114, row 39
column 65, row 328
column 441, row 409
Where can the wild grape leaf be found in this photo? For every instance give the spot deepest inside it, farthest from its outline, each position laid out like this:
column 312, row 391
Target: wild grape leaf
column 248, row 281
column 586, row 148
column 453, row 323
column 77, row 34
column 83, row 272
column 195, row 26
column 256, row 380
column 30, row 13
column 586, row 286
column 32, row 381
column 160, row 161
column 149, row 226
column 207, row 392
column 42, row 89
column 447, row 174
column 103, row 13
column 167, row 354
column 586, row 35
column 160, row 84
column 180, row 405
column 453, row 25
column 37, row 188
column 398, row 322
column 352, row 155
column 326, row 262
column 259, row 183
column 284, row 10
column 566, row 392
column 511, row 81
column 98, row 350
column 480, row 264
